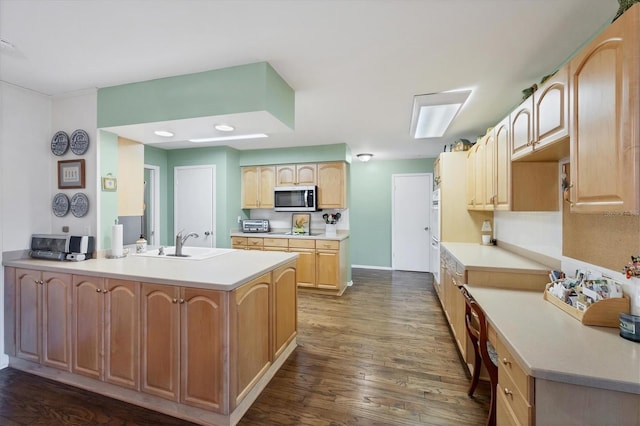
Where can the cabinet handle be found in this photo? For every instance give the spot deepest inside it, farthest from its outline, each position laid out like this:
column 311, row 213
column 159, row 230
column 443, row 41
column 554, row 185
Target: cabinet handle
column 506, row 362
column 105, row 291
column 181, row 300
column 98, row 290
column 567, row 195
column 39, row 282
column 460, row 274
column 174, row 301
column 508, row 392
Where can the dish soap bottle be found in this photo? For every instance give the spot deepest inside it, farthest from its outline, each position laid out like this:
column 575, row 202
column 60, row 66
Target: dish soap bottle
column 141, row 244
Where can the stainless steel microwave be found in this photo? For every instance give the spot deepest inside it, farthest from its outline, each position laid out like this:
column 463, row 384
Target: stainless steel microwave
column 295, row 198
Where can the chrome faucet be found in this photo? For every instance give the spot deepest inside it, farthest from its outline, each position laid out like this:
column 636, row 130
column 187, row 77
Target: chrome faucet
column 180, row 240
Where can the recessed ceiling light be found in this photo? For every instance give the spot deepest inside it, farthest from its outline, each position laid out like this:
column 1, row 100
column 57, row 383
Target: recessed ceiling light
column 163, row 133
column 224, row 127
column 433, row 113
column 230, row 138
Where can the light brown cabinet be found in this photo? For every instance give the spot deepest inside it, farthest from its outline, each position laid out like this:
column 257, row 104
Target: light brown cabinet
column 321, row 264
column 515, row 390
column 105, row 330
column 296, row 174
column 257, row 187
column 605, row 121
column 43, row 317
column 522, row 129
column 285, row 308
column 502, row 172
column 332, row 187
column 176, row 362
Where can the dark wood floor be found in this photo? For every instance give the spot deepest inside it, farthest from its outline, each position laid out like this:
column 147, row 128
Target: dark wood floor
column 379, row 355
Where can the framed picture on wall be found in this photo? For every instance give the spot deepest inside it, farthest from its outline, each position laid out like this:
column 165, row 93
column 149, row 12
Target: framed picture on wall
column 109, row 183
column 70, row 174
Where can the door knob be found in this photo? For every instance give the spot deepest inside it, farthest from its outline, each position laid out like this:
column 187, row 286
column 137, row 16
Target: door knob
column 426, row 228
column 207, row 233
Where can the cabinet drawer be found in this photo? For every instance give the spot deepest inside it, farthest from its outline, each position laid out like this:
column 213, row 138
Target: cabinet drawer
column 504, row 414
column 239, row 241
column 276, row 242
column 328, row 244
column 507, row 365
column 254, row 242
column 299, row 243
column 514, row 399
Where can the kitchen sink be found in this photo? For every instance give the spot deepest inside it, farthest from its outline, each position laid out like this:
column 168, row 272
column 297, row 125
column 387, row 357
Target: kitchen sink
column 188, row 253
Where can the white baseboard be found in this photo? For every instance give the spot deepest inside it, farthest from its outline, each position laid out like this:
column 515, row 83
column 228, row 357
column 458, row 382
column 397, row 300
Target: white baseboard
column 385, row 268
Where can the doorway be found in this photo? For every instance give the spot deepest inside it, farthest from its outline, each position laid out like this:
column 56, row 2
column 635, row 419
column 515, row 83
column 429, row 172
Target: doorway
column 194, row 203
column 151, row 208
column 410, row 216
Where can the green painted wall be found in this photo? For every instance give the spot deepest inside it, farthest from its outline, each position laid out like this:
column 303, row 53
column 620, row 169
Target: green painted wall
column 370, row 207
column 159, row 157
column 108, row 143
column 244, row 88
column 306, row 154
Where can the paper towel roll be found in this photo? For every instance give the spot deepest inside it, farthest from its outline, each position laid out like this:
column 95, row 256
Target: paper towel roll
column 116, row 240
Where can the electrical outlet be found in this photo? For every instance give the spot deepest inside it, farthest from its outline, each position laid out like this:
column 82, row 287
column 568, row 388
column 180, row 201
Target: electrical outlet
column 239, row 219
column 65, row 229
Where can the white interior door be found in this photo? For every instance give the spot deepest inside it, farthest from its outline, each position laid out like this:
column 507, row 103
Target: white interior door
column 411, row 240
column 194, row 203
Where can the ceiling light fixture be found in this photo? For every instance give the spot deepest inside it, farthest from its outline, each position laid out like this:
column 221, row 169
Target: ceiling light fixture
column 364, row 157
column 163, row 133
column 224, row 127
column 230, row 138
column 433, row 113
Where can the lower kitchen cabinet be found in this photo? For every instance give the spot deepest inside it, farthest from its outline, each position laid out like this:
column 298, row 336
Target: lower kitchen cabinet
column 43, row 317
column 321, row 265
column 105, row 330
column 285, row 308
column 515, row 390
column 182, row 333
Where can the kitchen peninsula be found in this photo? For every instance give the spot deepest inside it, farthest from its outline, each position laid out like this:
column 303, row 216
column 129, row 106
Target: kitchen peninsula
column 196, row 339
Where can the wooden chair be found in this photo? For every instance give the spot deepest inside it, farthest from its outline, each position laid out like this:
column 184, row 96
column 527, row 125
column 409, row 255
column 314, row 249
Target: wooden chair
column 484, row 353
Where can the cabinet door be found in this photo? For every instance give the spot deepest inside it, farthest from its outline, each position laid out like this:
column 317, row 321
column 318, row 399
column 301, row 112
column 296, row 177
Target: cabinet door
column 286, row 175
column 203, row 337
column 332, row 185
column 479, row 168
column 489, row 171
column 122, row 337
column 306, row 267
column 56, row 320
column 250, row 188
column 160, row 340
column 522, row 129
column 552, row 111
column 285, row 308
column 605, row 85
column 250, row 340
column 328, row 269
column 306, row 174
column 266, row 182
column 88, row 326
column 28, row 314
column 471, row 177
column 502, row 174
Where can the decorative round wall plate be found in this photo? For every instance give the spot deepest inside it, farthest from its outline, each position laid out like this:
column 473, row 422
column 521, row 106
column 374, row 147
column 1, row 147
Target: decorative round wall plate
column 60, row 143
column 60, row 205
column 79, row 204
column 79, row 142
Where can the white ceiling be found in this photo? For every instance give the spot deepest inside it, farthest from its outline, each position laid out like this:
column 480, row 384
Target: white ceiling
column 355, row 65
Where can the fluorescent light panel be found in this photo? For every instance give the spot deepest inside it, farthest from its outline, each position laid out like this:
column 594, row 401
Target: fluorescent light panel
column 230, row 138
column 433, row 113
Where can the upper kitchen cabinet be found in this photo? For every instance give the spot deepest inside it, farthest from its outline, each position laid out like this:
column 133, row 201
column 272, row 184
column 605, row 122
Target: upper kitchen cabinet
column 502, row 173
column 522, row 129
column 332, row 185
column 296, row 174
column 130, row 178
column 539, row 125
column 257, row 187
column 605, row 128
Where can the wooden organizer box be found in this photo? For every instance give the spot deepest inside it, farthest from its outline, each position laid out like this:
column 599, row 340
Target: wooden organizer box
column 605, row 313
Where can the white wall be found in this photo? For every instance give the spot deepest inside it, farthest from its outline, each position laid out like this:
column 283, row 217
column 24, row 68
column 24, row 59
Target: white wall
column 69, row 113
column 25, row 159
column 540, row 232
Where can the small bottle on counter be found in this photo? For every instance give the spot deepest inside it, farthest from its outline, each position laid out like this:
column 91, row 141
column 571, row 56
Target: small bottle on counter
column 141, row 244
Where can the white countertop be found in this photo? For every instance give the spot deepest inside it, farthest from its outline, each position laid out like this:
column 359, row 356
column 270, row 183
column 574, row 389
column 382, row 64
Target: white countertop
column 320, row 235
column 552, row 345
column 485, row 258
column 223, row 272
